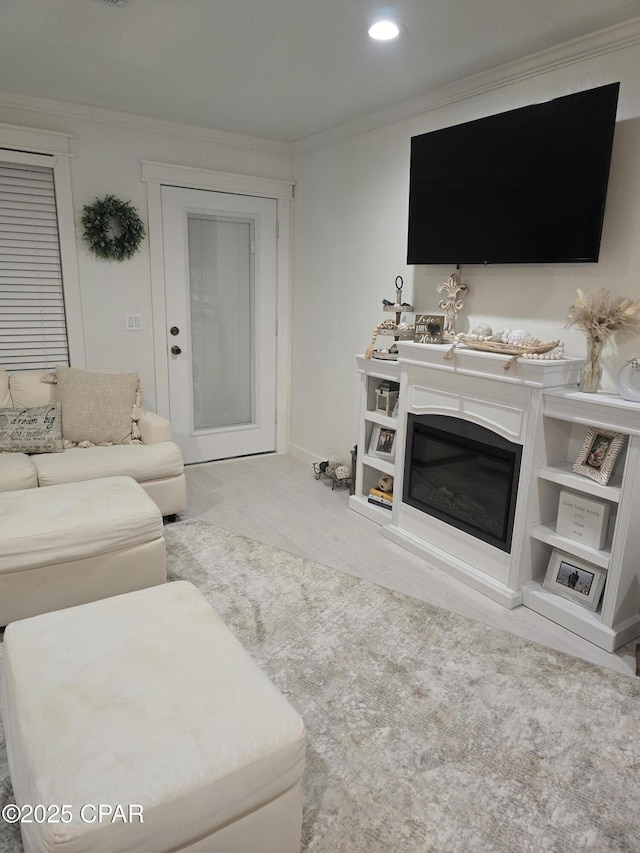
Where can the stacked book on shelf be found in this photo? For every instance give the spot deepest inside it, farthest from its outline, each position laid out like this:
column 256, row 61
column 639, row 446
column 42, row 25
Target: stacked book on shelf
column 380, row 498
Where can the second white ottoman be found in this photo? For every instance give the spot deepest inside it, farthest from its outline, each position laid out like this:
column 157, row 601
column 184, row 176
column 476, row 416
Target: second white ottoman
column 147, row 700
column 77, row 542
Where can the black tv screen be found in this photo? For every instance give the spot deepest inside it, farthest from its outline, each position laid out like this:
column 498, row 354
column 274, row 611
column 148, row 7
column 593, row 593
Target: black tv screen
column 524, row 186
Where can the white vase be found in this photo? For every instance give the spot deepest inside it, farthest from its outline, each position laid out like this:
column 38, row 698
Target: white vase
column 628, row 381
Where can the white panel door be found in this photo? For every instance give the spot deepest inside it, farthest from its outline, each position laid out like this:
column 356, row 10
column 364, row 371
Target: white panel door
column 220, row 289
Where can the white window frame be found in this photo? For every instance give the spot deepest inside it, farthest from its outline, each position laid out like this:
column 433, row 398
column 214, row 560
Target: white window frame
column 26, row 146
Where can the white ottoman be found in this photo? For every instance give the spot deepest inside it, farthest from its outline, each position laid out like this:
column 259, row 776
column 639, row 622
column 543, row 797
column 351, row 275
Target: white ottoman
column 147, row 701
column 73, row 543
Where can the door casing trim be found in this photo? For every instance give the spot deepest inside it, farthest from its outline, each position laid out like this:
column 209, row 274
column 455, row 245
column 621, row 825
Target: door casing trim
column 156, row 175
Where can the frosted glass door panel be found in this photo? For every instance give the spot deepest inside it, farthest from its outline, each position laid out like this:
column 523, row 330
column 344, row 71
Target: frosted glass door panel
column 221, row 284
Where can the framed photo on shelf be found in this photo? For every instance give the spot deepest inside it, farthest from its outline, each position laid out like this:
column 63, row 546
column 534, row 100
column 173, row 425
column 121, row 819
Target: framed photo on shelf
column 575, row 579
column 598, row 454
column 383, row 442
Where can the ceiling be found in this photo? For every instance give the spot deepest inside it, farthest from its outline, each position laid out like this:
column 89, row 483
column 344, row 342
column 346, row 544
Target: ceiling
column 276, row 69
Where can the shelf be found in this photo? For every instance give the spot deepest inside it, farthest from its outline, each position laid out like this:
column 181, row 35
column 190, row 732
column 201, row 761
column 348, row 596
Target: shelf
column 564, row 476
column 379, row 368
column 374, row 513
column 382, row 420
column 591, row 617
column 607, row 411
column 398, row 334
column 381, row 465
column 547, row 533
column 369, row 468
column 585, row 623
column 399, row 309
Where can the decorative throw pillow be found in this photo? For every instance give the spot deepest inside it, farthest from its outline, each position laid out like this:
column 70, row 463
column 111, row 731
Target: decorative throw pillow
column 29, row 388
column 5, row 396
column 96, row 407
column 37, row 430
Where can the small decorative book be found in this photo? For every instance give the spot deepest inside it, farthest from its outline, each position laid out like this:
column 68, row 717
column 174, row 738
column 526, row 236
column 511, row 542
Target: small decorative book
column 582, row 519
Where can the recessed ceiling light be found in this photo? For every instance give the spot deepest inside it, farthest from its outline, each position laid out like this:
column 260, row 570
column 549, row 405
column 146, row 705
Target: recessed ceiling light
column 384, row 30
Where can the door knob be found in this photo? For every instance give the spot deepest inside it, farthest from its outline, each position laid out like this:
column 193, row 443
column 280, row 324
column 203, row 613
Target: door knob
column 175, row 350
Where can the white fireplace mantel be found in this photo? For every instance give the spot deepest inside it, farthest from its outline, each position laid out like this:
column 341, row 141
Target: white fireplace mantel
column 537, row 405
column 474, row 386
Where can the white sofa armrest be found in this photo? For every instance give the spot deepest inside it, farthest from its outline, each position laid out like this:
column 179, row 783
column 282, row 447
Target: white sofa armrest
column 154, row 428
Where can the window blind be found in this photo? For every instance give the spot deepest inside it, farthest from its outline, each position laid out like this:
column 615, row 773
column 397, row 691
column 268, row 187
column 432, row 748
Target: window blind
column 33, row 332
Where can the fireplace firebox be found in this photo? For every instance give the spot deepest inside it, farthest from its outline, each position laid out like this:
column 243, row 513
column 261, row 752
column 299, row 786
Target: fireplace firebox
column 463, row 474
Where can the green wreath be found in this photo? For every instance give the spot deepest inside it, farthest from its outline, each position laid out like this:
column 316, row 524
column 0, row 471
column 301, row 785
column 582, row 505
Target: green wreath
column 112, row 228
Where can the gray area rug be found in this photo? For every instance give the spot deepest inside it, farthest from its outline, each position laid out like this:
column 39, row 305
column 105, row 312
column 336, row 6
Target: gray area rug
column 426, row 731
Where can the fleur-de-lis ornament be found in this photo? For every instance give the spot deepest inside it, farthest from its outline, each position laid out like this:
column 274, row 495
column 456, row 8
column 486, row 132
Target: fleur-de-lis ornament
column 451, row 305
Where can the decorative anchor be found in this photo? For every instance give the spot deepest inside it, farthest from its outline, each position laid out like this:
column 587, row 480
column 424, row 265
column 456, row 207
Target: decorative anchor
column 453, row 286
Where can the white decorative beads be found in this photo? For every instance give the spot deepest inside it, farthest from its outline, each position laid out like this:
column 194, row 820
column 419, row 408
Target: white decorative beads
column 551, row 355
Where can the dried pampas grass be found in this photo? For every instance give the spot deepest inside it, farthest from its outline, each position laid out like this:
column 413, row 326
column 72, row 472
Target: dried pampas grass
column 600, row 316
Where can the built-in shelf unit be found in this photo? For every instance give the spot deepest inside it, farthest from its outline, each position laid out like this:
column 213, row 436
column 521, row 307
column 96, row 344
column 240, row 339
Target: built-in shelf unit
column 567, row 415
column 369, row 468
column 535, row 404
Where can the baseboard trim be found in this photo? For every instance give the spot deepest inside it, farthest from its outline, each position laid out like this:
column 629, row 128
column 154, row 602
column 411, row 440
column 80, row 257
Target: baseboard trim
column 303, row 455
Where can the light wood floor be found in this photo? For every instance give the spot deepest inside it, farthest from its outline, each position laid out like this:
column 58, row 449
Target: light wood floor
column 275, row 499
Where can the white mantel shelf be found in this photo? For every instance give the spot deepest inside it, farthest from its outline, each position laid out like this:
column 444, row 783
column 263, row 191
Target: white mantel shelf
column 536, row 404
column 539, row 373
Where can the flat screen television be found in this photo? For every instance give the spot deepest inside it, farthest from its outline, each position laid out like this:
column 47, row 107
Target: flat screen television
column 524, row 186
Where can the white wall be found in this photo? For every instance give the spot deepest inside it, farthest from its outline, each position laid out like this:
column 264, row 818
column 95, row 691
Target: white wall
column 107, row 151
column 350, row 226
column 350, row 222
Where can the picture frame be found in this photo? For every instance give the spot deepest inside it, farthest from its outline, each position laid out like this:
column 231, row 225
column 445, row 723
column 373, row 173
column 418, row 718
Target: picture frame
column 575, row 579
column 383, row 442
column 429, row 329
column 598, row 454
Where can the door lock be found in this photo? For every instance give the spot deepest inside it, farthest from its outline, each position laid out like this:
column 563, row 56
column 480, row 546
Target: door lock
column 174, row 330
column 175, row 350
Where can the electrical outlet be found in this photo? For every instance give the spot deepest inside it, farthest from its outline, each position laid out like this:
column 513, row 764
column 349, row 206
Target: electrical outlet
column 133, row 322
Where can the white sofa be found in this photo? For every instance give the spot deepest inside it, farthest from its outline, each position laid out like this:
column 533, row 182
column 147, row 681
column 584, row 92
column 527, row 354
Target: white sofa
column 156, row 464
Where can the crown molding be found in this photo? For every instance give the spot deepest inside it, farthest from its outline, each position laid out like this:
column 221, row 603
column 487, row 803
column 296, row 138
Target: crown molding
column 32, row 103
column 577, row 50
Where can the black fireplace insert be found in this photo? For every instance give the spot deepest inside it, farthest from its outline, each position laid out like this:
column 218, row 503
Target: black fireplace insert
column 463, row 474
